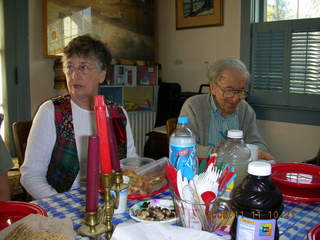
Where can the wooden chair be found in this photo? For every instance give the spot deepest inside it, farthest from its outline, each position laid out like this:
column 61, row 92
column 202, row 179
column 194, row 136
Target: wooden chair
column 171, row 126
column 315, row 160
column 20, row 135
column 21, row 131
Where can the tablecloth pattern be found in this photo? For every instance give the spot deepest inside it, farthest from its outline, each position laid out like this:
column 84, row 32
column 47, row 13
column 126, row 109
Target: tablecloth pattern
column 294, row 223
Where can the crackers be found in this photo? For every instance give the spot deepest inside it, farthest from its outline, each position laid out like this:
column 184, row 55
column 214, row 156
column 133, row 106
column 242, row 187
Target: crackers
column 24, row 232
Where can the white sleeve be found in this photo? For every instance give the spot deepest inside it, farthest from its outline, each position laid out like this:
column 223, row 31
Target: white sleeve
column 40, row 144
column 131, row 149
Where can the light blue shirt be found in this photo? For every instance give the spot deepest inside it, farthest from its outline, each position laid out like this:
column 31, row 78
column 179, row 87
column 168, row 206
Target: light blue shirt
column 219, row 125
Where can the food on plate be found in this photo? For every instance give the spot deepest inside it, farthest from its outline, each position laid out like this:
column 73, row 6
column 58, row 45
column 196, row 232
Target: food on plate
column 154, row 213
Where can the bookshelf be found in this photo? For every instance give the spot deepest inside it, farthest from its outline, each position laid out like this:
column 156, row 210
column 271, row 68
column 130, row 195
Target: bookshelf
column 133, row 98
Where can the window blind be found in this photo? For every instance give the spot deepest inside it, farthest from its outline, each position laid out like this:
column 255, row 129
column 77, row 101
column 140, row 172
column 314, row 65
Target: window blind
column 305, row 63
column 268, row 61
column 285, row 64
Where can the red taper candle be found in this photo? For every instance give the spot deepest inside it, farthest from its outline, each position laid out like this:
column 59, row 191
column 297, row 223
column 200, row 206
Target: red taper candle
column 102, row 130
column 92, row 174
column 115, row 162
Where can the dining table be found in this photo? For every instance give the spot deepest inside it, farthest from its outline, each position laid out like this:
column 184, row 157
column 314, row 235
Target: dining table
column 294, row 223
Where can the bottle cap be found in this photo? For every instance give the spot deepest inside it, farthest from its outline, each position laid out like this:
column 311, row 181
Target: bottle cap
column 259, row 168
column 233, row 133
column 183, row 120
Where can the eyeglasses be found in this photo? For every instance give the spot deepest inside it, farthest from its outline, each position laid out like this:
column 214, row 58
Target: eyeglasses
column 229, row 93
column 83, row 69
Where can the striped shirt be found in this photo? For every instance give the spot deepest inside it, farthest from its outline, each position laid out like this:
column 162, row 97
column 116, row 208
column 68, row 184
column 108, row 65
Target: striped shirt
column 219, row 125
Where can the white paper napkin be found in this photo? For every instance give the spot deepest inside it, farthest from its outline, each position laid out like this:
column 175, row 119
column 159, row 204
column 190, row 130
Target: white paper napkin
column 159, row 231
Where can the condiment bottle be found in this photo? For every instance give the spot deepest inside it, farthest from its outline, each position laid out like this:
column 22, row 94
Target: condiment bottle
column 257, row 204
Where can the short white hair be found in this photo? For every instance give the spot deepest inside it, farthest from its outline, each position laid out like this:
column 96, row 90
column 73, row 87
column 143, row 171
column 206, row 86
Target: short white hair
column 215, row 70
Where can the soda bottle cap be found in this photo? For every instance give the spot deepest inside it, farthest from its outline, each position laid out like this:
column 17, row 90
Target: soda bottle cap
column 233, row 133
column 183, row 120
column 259, row 168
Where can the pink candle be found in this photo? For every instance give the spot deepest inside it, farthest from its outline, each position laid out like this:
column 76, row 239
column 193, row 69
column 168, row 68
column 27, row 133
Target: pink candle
column 115, row 162
column 92, row 174
column 102, row 130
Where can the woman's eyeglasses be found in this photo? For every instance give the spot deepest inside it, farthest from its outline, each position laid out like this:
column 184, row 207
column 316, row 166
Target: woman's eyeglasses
column 229, row 93
column 83, row 69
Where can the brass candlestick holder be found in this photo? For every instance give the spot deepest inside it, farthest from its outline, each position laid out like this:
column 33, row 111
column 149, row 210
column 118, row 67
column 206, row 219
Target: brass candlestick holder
column 97, row 223
column 107, row 209
column 92, row 227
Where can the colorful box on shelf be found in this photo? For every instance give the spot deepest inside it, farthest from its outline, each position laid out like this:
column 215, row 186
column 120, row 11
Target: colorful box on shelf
column 125, row 75
column 148, row 75
column 131, row 75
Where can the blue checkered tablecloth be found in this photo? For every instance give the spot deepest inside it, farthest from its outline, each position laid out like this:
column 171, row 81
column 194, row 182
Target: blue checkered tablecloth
column 294, row 223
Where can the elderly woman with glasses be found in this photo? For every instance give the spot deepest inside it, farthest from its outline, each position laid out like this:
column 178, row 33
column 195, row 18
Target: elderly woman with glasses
column 56, row 153
column 212, row 115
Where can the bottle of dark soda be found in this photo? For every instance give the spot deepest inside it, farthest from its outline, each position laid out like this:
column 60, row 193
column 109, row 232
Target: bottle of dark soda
column 257, row 204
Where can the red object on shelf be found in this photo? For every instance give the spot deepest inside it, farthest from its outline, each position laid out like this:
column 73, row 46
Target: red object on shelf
column 92, row 174
column 13, row 211
column 297, row 175
column 102, row 130
column 314, row 233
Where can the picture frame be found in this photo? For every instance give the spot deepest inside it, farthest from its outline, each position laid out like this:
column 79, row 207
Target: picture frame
column 126, row 27
column 198, row 13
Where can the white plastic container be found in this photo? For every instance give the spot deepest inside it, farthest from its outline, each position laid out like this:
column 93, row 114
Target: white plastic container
column 146, row 175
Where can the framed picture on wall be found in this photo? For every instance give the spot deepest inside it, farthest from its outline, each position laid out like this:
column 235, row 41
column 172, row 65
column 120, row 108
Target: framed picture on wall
column 126, row 26
column 198, row 13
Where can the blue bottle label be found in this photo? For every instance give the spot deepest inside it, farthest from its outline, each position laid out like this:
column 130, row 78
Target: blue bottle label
column 184, row 159
column 255, row 229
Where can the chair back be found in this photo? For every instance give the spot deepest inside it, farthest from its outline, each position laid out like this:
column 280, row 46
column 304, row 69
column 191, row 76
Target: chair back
column 315, row 160
column 171, row 126
column 21, row 131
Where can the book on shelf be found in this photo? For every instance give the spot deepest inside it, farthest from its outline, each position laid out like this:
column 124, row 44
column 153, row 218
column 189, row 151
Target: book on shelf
column 125, row 75
column 148, row 75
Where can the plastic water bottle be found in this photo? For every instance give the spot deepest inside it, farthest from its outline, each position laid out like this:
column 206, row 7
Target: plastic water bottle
column 182, row 149
column 257, row 204
column 234, row 152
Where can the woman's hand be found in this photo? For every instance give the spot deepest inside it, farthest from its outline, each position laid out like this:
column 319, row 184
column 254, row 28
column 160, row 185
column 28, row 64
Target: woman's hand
column 266, row 156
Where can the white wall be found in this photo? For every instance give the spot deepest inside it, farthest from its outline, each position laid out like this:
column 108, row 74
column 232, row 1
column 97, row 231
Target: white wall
column 41, row 69
column 182, row 54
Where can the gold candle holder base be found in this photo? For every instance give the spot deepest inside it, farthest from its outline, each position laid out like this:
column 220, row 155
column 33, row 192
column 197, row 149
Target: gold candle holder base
column 118, row 187
column 107, row 209
column 92, row 227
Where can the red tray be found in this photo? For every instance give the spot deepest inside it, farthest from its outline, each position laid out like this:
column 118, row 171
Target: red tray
column 314, row 233
column 294, row 194
column 13, row 211
column 297, row 175
column 143, row 196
